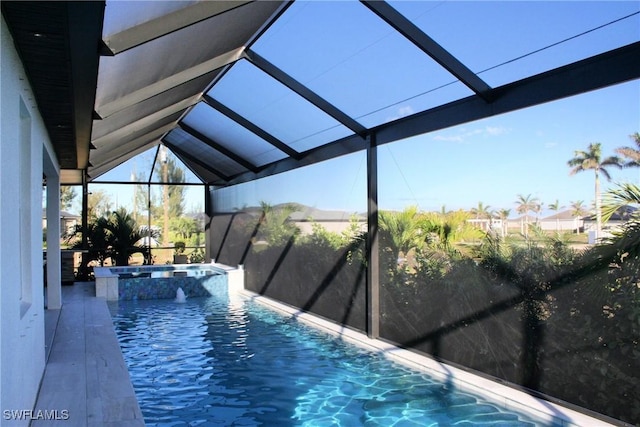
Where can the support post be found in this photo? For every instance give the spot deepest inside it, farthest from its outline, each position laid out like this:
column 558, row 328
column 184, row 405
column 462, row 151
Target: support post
column 54, row 273
column 84, row 268
column 208, row 215
column 373, row 256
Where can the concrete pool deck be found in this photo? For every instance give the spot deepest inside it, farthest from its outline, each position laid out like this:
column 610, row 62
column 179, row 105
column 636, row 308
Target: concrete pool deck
column 85, row 375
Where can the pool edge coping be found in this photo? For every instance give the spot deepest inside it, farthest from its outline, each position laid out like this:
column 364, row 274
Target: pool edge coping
column 509, row 398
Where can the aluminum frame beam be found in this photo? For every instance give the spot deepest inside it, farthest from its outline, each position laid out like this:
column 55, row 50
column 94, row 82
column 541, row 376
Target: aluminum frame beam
column 305, row 92
column 429, row 46
column 208, row 141
column 373, row 245
column 187, row 158
column 213, row 103
column 597, row 72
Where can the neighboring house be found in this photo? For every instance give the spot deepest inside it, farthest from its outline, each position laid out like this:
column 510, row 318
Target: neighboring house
column 562, row 221
column 618, row 218
column 68, row 222
column 305, row 216
column 518, row 225
column 333, row 221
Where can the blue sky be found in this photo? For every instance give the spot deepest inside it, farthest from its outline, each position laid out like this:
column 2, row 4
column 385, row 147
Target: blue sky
column 336, row 49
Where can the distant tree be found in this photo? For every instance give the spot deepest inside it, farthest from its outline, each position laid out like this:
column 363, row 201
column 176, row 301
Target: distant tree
column 98, row 204
column 631, row 154
column 481, row 211
column 503, row 214
column 524, row 205
column 537, row 209
column 555, row 206
column 592, row 160
column 67, row 196
column 578, row 210
column 140, row 196
column 170, row 175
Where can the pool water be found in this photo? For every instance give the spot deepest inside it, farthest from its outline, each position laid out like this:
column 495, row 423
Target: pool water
column 212, row 362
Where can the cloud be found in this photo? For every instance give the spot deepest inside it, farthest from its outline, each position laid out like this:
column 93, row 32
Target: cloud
column 448, row 138
column 464, row 133
column 495, row 130
column 407, row 110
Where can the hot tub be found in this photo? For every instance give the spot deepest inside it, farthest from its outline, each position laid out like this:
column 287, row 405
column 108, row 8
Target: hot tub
column 162, row 281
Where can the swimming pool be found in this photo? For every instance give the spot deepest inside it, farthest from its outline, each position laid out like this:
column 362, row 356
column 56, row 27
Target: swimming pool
column 213, row 361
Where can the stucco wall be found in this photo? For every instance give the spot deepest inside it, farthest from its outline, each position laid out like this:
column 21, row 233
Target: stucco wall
column 21, row 275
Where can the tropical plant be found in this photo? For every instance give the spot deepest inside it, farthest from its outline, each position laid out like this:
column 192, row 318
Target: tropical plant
column 274, row 226
column 96, row 242
column 401, row 231
column 197, row 256
column 115, row 236
column 592, row 160
column 631, row 154
column 179, row 247
column 123, row 235
column 617, row 198
column 183, row 227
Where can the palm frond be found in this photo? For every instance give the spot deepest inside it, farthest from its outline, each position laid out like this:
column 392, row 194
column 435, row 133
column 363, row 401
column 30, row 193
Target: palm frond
column 614, row 199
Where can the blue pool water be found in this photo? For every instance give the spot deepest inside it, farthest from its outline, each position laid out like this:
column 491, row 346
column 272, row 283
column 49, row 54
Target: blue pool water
column 213, row 363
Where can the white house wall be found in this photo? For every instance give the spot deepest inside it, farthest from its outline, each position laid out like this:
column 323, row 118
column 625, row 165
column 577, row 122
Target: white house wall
column 22, row 132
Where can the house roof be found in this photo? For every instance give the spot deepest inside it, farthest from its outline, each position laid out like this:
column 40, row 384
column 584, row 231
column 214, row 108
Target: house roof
column 307, row 213
column 239, row 90
column 563, row 215
column 63, row 215
column 623, row 213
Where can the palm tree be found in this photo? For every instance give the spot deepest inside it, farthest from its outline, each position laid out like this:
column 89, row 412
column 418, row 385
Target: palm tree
column 122, row 233
column 556, row 208
column 537, row 209
column 592, row 160
column 503, row 214
column 631, row 155
column 402, row 230
column 524, row 205
column 578, row 210
column 482, row 212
